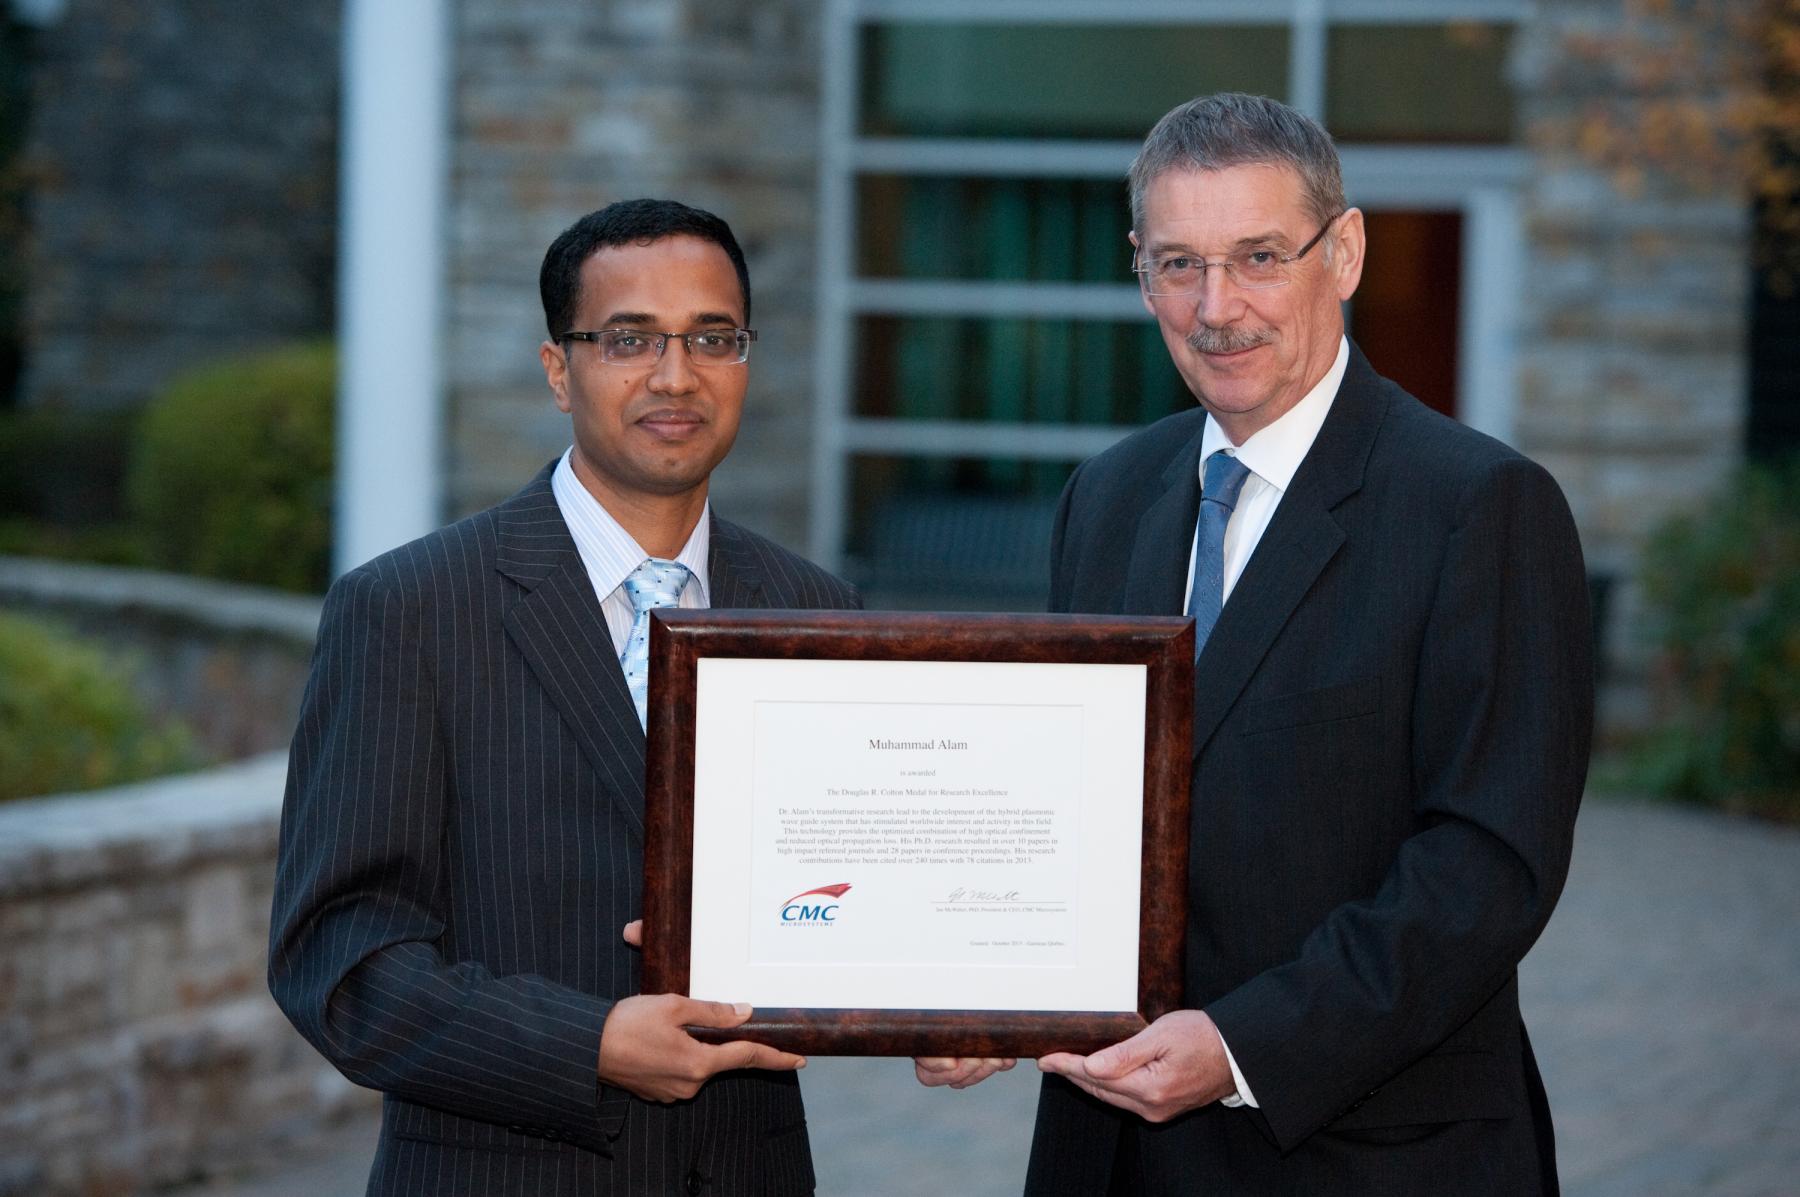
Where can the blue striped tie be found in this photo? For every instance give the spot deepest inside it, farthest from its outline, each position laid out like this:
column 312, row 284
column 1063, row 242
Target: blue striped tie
column 1225, row 477
column 655, row 583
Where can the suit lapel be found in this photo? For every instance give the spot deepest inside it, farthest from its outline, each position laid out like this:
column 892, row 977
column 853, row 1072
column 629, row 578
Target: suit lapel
column 558, row 628
column 1300, row 540
column 733, row 575
column 1157, row 577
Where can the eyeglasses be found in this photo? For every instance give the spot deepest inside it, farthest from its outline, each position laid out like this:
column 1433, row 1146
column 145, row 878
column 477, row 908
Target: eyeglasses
column 1255, row 269
column 632, row 346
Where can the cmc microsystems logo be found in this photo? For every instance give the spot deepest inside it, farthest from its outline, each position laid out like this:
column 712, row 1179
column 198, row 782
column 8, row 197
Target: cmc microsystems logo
column 795, row 910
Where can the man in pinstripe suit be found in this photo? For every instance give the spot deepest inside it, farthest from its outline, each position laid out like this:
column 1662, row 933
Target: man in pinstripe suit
column 462, row 838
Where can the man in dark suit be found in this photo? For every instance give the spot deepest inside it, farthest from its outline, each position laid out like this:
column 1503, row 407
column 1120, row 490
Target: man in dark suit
column 1391, row 724
column 461, row 844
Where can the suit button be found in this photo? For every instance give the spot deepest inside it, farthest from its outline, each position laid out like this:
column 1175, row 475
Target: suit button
column 695, row 1182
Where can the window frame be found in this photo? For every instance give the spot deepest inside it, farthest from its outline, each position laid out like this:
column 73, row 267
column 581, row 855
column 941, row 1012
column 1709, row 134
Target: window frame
column 1482, row 183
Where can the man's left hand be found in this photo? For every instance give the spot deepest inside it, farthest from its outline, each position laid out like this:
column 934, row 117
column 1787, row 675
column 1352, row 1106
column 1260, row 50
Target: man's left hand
column 1174, row 1065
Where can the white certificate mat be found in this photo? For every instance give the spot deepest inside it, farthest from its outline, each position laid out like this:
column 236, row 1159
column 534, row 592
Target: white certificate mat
column 942, row 835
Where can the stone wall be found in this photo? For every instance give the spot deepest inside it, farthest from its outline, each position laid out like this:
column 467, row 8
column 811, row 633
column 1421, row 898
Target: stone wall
column 562, row 106
column 138, row 1044
column 183, row 189
column 1632, row 334
column 229, row 661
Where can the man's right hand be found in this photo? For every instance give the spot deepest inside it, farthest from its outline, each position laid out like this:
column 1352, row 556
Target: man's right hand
column 644, row 1048
column 958, row 1072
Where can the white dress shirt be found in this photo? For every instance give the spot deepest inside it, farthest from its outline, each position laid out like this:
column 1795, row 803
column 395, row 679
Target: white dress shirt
column 1273, row 456
column 610, row 553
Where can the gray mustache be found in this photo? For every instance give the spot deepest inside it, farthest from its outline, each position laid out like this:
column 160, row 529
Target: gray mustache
column 1225, row 340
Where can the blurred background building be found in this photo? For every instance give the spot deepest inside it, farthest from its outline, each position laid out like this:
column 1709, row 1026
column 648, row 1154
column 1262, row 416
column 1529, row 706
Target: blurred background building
column 931, row 196
column 268, row 281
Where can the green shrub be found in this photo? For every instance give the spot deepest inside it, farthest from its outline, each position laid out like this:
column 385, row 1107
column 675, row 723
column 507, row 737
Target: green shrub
column 232, row 473
column 1722, row 594
column 68, row 721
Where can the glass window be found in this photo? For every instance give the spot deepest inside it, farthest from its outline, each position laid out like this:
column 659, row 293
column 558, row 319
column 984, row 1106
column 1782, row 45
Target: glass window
column 922, row 529
column 952, row 533
column 1004, row 371
column 1419, row 83
column 1066, row 81
column 1053, row 230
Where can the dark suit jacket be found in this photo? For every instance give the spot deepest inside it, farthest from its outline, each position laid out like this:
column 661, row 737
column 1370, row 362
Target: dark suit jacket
column 460, row 847
column 1391, row 734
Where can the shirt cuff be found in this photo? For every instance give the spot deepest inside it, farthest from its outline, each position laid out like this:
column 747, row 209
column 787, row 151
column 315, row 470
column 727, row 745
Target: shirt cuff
column 1243, row 1096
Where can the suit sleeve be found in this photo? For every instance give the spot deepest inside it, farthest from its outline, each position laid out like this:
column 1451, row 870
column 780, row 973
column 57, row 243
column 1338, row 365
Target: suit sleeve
column 360, row 907
column 1501, row 717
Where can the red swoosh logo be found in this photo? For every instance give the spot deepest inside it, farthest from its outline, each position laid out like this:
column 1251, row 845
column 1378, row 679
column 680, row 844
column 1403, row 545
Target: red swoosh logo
column 834, row 891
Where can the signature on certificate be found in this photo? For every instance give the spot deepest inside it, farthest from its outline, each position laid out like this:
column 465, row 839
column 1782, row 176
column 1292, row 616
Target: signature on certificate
column 983, row 895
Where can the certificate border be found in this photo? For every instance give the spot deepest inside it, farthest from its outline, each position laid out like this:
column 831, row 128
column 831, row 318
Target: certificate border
column 1164, row 645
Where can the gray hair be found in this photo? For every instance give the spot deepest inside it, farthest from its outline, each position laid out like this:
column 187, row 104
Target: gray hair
column 1234, row 129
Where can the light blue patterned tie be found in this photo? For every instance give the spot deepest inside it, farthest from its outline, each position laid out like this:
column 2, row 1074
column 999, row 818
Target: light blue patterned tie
column 1225, row 477
column 655, row 583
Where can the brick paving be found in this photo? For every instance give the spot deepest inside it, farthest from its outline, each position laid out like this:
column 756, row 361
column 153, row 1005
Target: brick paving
column 1664, row 1000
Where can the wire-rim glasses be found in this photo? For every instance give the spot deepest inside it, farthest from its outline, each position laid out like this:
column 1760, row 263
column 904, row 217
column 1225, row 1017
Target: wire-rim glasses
column 1254, row 268
column 634, row 346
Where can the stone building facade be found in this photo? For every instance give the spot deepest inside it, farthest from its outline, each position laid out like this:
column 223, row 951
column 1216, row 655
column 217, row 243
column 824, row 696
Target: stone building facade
column 1628, row 346
column 186, row 206
column 182, row 159
column 563, row 106
column 1632, row 340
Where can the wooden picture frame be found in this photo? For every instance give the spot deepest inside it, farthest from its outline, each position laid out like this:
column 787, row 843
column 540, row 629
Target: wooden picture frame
column 680, row 640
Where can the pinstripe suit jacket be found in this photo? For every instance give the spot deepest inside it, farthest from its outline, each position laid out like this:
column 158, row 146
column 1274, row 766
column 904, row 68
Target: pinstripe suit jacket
column 461, row 845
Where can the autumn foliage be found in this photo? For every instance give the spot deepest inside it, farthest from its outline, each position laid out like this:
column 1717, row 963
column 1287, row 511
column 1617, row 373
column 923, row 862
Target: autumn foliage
column 1694, row 96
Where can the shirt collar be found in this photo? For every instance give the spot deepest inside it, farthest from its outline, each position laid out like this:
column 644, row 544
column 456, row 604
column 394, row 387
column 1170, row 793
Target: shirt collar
column 607, row 550
column 1274, row 453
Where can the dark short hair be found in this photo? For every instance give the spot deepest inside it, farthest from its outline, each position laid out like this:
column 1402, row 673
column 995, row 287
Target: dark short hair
column 628, row 222
column 1233, row 129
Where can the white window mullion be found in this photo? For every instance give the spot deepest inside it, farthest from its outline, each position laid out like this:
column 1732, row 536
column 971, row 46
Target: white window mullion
column 959, row 438
column 1000, row 300
column 1064, row 12
column 1183, row 12
column 1492, row 249
column 1427, row 12
column 1428, row 176
column 993, row 157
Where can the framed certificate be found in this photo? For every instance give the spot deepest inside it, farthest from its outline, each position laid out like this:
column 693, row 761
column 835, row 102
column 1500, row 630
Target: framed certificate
column 907, row 834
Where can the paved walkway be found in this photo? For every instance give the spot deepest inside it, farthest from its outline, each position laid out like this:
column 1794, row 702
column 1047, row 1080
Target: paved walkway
column 1664, row 1001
